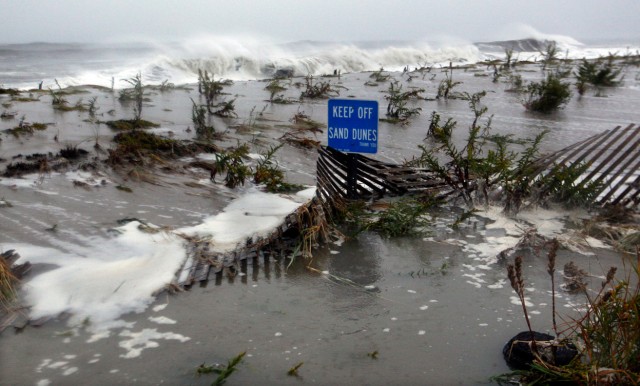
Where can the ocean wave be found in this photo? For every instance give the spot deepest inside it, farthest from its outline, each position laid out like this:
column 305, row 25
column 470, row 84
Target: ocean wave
column 245, row 58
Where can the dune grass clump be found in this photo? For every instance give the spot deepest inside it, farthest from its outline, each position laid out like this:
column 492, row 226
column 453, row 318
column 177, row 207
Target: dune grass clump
column 446, row 86
column 139, row 146
column 72, row 152
column 302, row 125
column 135, row 94
column 204, row 130
column 130, row 124
column 379, row 76
column 9, row 91
column 293, row 371
column 404, row 217
column 232, row 162
column 226, row 109
column 549, row 54
column 36, row 165
column 210, row 88
column 562, row 185
column 276, row 90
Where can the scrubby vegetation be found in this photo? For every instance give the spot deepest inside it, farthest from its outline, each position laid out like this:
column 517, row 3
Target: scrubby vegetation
column 397, row 110
column 222, row 371
column 600, row 73
column 318, row 89
column 8, row 284
column 483, row 163
column 302, row 125
column 232, row 163
column 446, row 86
column 210, row 89
column 275, row 88
column 407, row 216
column 204, row 130
column 547, row 95
column 139, row 147
column 130, row 124
column 269, row 173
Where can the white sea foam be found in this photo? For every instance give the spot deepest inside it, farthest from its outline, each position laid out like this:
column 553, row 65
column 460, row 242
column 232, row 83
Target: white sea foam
column 162, row 320
column 253, row 215
column 116, row 276
column 111, row 277
column 136, row 342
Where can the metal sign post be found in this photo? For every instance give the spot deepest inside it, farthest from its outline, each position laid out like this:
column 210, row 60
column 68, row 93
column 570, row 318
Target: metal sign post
column 353, row 128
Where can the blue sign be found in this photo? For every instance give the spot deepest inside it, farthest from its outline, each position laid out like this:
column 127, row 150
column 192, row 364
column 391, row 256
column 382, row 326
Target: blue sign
column 353, row 125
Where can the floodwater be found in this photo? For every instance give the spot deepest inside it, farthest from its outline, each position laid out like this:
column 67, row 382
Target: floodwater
column 424, row 310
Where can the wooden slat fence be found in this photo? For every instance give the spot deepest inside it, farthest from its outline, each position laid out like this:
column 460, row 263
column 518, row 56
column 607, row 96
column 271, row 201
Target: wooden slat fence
column 611, row 161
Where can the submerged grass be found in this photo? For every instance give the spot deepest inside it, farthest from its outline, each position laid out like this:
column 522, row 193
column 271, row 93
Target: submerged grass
column 130, row 124
column 404, row 217
column 25, row 128
column 138, row 147
column 223, row 372
column 293, row 371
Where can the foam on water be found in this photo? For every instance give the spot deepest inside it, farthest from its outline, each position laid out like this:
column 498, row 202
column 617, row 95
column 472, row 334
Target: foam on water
column 106, row 278
column 119, row 275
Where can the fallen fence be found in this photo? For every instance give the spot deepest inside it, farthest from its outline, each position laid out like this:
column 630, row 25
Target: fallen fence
column 609, row 161
column 300, row 229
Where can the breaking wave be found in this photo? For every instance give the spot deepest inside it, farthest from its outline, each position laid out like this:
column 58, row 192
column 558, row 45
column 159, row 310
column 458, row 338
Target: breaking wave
column 247, row 58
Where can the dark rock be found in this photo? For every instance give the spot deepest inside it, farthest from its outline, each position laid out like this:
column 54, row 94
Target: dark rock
column 519, row 355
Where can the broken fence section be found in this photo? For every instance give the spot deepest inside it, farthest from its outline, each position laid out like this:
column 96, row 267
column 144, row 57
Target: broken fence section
column 609, row 160
column 299, row 230
column 372, row 178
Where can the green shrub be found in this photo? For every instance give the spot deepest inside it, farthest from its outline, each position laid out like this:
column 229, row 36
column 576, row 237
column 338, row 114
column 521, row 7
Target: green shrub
column 600, row 73
column 397, row 109
column 547, row 95
column 268, row 172
column 232, row 162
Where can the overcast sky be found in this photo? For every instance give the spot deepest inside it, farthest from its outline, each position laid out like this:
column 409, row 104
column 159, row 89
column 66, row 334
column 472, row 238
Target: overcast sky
column 324, row 20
